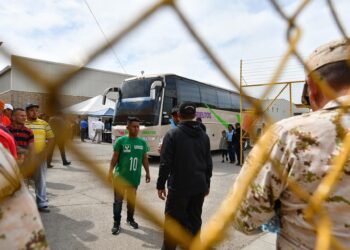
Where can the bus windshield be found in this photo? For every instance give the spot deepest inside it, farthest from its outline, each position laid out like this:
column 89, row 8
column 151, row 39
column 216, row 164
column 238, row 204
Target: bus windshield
column 135, row 101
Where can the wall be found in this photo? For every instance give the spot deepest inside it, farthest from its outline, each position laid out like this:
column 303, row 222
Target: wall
column 88, row 82
column 19, row 99
column 5, row 82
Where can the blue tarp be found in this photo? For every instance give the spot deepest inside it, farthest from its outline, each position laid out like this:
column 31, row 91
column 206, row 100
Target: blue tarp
column 103, row 112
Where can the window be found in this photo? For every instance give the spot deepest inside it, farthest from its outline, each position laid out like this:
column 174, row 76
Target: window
column 170, row 89
column 235, row 101
column 167, row 106
column 187, row 92
column 209, row 96
column 224, row 99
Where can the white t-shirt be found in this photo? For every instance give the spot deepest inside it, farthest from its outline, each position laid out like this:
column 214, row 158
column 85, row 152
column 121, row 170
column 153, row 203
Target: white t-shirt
column 99, row 125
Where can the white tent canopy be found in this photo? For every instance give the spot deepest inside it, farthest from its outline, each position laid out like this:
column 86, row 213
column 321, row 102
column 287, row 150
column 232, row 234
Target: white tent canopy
column 91, row 105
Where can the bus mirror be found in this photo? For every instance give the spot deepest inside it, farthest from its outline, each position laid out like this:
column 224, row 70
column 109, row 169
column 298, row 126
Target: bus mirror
column 113, row 89
column 153, row 94
column 154, row 85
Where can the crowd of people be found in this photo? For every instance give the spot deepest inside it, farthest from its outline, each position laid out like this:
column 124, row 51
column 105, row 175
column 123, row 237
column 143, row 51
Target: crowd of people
column 25, row 135
column 301, row 148
column 98, row 128
column 230, row 143
column 27, row 138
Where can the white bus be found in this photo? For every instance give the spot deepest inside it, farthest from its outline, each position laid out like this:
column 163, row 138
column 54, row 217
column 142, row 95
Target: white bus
column 151, row 99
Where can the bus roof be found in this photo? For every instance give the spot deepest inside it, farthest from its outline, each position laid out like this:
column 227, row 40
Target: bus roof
column 181, row 77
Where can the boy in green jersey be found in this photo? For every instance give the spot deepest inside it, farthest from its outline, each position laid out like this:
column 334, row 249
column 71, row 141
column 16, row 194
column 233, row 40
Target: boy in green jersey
column 130, row 153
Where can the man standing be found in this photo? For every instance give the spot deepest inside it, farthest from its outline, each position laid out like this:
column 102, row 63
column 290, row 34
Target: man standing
column 174, row 117
column 174, row 121
column 8, row 109
column 199, row 120
column 186, row 164
column 230, row 145
column 43, row 139
column 304, row 147
column 237, row 144
column 23, row 136
column 130, row 153
column 4, row 120
column 83, row 129
column 99, row 127
column 60, row 128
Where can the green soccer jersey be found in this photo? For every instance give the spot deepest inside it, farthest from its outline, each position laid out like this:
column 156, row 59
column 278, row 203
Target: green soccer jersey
column 131, row 152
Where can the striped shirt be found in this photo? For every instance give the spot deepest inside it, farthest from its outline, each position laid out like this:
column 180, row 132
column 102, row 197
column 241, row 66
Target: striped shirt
column 42, row 132
column 23, row 136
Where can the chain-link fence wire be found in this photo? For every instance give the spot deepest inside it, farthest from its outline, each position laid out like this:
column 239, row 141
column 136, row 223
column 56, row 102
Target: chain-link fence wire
column 273, row 104
column 213, row 231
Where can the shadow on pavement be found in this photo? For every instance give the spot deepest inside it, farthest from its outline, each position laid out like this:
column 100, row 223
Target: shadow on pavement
column 73, row 169
column 152, row 238
column 59, row 186
column 65, row 232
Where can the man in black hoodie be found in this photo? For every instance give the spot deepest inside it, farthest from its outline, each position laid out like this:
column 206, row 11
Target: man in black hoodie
column 186, row 164
column 237, row 144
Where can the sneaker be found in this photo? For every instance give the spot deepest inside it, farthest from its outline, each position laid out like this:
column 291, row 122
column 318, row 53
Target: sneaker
column 226, row 159
column 132, row 223
column 49, row 166
column 222, row 161
column 116, row 228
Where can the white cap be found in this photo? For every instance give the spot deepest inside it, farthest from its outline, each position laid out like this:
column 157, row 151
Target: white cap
column 331, row 52
column 8, row 106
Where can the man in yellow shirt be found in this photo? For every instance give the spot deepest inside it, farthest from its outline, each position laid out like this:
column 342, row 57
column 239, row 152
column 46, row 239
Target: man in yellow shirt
column 43, row 139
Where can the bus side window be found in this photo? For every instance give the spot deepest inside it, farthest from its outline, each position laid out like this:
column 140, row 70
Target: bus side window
column 167, row 106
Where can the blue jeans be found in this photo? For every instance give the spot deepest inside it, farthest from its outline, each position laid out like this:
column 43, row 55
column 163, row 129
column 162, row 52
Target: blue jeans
column 231, row 151
column 39, row 178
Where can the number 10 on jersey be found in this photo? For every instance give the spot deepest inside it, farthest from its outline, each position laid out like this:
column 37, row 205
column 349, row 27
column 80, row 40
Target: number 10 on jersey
column 133, row 163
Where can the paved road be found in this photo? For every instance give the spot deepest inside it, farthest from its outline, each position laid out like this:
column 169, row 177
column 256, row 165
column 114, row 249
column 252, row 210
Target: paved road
column 81, row 206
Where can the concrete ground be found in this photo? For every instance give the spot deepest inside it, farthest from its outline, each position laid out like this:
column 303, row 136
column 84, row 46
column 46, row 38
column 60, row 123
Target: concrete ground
column 81, row 207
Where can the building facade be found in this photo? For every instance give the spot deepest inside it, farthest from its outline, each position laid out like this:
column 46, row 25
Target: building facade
column 18, row 88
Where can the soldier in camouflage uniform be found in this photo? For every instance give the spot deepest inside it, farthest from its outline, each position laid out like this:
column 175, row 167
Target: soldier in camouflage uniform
column 304, row 146
column 20, row 223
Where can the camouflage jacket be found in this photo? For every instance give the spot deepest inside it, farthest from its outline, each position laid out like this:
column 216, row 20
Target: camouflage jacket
column 20, row 222
column 303, row 147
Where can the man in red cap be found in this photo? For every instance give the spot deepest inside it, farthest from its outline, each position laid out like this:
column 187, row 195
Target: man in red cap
column 4, row 120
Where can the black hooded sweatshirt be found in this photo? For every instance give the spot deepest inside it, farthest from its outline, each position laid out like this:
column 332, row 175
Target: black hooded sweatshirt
column 185, row 160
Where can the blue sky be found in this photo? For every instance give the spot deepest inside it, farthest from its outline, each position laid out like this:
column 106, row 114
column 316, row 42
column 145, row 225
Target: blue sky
column 65, row 31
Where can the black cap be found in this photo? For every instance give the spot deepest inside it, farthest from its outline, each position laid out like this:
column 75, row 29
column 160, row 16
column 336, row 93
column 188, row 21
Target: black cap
column 31, row 105
column 187, row 108
column 174, row 110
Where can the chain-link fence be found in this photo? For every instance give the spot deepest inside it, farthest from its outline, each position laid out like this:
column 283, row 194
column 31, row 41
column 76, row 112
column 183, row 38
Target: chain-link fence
column 214, row 230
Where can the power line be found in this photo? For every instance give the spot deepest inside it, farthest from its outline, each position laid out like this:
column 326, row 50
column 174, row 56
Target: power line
column 103, row 33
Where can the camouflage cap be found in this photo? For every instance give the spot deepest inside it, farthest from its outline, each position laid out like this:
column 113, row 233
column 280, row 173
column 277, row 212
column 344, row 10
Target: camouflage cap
column 331, row 52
